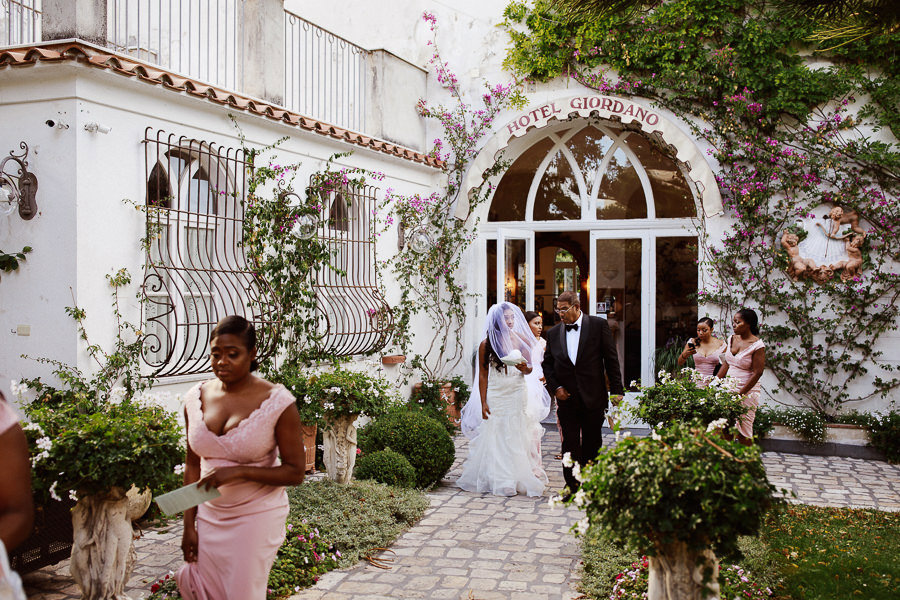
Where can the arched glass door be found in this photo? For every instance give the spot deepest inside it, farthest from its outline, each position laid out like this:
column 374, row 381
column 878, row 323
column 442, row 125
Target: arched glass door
column 620, row 207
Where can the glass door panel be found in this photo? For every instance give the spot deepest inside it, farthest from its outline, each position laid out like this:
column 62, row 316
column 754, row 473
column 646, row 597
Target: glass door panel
column 515, row 268
column 617, row 270
column 491, row 289
column 676, row 289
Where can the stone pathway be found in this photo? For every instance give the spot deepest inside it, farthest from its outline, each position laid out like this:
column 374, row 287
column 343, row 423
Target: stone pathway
column 471, row 546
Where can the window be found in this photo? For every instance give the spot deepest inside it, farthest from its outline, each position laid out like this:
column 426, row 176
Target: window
column 354, row 318
column 597, row 171
column 195, row 271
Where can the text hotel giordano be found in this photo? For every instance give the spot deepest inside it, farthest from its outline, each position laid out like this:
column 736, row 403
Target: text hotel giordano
column 580, row 104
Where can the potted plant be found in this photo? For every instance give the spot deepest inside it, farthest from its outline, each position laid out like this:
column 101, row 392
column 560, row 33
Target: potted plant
column 441, row 399
column 102, row 441
column 688, row 397
column 105, row 455
column 677, row 496
column 333, row 399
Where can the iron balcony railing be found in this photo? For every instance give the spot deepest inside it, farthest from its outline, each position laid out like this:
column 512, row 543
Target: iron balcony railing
column 201, row 39
column 20, row 22
column 325, row 76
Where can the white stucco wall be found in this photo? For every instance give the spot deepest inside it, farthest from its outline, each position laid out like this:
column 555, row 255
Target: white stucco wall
column 85, row 230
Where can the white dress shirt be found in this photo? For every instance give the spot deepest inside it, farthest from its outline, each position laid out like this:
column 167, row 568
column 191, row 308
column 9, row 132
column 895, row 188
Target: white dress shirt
column 572, row 338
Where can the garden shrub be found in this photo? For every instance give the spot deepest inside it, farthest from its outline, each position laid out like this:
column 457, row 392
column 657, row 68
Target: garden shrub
column 302, row 557
column 763, row 422
column 884, row 431
column 684, row 399
column 681, row 484
column 422, row 440
column 356, row 517
column 734, row 582
column 808, row 424
column 386, row 466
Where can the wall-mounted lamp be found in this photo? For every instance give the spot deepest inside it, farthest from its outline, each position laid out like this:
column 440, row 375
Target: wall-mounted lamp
column 18, row 188
column 95, row 127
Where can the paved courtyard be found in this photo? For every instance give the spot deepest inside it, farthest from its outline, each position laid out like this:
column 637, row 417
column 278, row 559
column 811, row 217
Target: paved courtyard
column 471, row 546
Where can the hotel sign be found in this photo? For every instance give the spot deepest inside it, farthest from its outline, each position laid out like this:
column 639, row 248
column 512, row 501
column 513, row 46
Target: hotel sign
column 583, row 105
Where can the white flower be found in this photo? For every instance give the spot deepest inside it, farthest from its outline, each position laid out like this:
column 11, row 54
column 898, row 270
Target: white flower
column 53, row 491
column 626, row 434
column 655, row 436
column 18, row 388
column 117, row 394
column 567, row 459
column 580, row 498
column 39, row 457
column 555, row 501
column 334, row 390
column 44, row 443
column 582, row 526
column 576, row 472
column 73, row 496
column 32, row 426
column 306, row 399
column 179, row 469
column 717, row 424
column 328, row 406
column 634, row 383
column 421, row 400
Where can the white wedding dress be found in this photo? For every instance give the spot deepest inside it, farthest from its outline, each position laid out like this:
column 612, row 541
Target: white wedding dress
column 504, row 458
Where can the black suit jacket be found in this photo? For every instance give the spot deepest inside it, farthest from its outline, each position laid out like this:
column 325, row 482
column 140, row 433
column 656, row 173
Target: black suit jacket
column 596, row 355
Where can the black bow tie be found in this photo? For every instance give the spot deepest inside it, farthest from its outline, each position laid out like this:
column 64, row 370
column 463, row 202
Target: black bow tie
column 572, row 327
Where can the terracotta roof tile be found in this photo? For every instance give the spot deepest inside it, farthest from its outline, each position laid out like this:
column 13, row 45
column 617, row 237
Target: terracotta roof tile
column 26, row 56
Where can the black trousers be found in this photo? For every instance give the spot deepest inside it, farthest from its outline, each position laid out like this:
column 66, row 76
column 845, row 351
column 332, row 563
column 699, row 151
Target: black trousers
column 582, row 434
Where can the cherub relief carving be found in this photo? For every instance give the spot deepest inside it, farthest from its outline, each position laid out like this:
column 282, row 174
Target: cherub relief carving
column 799, row 266
column 827, row 249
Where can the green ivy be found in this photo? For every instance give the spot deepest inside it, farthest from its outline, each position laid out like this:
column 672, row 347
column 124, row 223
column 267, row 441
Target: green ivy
column 9, row 261
column 789, row 134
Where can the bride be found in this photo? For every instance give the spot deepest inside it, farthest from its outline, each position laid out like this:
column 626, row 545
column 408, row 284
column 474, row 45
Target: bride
column 503, row 416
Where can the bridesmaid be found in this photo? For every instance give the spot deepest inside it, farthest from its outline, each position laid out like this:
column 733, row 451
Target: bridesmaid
column 705, row 349
column 237, row 426
column 745, row 359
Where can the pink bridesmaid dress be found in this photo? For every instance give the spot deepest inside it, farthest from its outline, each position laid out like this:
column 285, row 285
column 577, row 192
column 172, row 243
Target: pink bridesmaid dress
column 239, row 532
column 706, row 365
column 740, row 367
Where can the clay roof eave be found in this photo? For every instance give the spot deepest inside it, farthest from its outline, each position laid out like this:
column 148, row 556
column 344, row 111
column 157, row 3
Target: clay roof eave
column 101, row 58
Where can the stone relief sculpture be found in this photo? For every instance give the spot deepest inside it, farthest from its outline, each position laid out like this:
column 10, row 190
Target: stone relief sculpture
column 827, row 248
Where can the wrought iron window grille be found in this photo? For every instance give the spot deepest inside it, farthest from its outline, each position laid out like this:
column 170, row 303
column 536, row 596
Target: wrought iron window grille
column 195, row 271
column 352, row 315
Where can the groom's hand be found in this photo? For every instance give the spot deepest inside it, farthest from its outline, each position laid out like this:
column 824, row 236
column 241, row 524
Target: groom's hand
column 562, row 394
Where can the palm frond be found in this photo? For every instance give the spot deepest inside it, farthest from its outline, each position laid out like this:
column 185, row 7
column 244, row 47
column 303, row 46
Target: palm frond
column 587, row 10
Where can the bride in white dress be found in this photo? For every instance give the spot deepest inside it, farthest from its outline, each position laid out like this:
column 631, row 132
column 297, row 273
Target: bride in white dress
column 503, row 416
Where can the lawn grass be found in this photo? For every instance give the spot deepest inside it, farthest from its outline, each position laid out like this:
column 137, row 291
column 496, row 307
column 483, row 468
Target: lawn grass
column 826, row 553
column 803, row 553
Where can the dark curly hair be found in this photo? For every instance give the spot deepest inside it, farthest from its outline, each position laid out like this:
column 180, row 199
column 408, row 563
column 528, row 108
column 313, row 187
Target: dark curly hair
column 241, row 327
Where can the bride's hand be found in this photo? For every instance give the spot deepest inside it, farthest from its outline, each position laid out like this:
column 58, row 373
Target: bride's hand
column 524, row 368
column 485, row 411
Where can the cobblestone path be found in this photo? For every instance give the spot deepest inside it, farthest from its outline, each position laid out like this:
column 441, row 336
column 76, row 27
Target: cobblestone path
column 482, row 547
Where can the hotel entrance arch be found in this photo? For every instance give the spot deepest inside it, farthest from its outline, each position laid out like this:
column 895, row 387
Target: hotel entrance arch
column 601, row 207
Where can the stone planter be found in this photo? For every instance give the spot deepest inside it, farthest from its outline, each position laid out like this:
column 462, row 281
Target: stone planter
column 308, row 436
column 103, row 547
column 841, row 440
column 339, row 452
column 676, row 573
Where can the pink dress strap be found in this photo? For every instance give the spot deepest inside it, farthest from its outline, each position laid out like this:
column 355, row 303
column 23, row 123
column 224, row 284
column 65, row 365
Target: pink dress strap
column 8, row 417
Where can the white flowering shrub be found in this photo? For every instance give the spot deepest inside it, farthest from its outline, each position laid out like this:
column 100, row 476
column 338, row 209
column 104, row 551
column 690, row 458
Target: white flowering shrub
column 689, row 397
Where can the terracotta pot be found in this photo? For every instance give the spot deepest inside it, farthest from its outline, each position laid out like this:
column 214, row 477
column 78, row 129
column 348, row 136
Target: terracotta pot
column 448, row 395
column 308, row 436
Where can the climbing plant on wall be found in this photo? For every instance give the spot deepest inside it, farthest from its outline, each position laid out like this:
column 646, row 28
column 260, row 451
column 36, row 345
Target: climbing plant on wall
column 792, row 127
column 436, row 240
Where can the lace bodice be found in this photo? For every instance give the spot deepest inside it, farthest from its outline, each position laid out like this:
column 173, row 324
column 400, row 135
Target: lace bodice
column 740, row 365
column 252, row 442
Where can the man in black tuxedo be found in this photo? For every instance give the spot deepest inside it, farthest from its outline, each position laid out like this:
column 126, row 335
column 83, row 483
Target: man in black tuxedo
column 579, row 351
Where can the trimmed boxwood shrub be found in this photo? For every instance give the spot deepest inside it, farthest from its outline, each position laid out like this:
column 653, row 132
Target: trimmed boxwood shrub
column 422, row 440
column 386, row 466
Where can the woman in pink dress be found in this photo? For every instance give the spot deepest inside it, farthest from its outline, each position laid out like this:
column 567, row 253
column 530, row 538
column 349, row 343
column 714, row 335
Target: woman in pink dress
column 705, row 349
column 745, row 359
column 237, row 425
column 16, row 508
